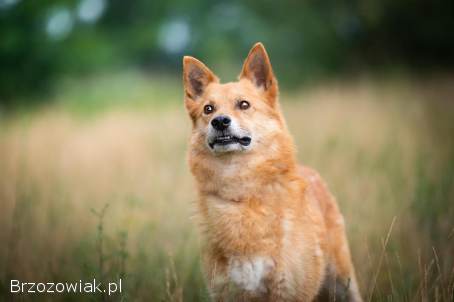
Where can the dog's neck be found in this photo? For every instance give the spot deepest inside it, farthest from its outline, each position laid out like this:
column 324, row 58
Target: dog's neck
column 238, row 177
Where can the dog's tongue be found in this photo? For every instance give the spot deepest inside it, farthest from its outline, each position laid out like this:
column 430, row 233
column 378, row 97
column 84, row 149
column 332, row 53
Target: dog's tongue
column 245, row 140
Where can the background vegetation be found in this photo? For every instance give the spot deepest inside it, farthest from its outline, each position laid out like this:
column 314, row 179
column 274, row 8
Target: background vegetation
column 44, row 40
column 93, row 136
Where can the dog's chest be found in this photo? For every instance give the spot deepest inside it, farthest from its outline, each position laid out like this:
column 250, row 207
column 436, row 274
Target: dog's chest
column 247, row 237
column 250, row 273
column 241, row 228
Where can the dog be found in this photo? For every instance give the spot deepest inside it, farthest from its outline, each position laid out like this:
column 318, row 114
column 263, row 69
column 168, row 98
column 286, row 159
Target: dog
column 272, row 231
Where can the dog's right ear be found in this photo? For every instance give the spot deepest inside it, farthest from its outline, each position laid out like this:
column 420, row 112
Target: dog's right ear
column 196, row 77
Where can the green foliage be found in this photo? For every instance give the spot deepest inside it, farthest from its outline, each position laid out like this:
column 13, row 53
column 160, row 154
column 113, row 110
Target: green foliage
column 307, row 39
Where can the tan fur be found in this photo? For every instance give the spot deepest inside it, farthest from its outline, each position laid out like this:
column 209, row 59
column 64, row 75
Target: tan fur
column 272, row 231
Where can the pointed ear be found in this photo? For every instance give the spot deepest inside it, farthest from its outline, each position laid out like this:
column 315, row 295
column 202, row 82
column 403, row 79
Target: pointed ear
column 257, row 68
column 196, row 77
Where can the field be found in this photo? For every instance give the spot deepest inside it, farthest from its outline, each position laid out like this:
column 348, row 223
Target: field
column 96, row 185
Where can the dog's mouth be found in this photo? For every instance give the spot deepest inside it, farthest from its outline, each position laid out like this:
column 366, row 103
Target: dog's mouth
column 230, row 139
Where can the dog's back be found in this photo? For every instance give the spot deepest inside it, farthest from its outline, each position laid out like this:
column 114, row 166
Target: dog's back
column 340, row 281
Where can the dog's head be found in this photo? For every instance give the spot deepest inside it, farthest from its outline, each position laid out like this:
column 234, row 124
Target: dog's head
column 233, row 117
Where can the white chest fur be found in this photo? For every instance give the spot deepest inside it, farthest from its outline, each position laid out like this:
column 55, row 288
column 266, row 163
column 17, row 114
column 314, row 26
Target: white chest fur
column 250, row 273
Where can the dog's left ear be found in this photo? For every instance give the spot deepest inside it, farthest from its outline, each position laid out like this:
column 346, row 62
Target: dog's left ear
column 257, row 68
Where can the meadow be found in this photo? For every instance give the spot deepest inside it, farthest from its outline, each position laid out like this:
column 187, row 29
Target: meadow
column 96, row 185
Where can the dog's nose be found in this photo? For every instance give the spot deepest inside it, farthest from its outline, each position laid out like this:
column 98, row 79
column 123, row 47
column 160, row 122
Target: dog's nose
column 221, row 122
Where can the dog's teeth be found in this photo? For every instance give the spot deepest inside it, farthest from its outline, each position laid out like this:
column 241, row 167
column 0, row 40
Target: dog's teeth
column 224, row 137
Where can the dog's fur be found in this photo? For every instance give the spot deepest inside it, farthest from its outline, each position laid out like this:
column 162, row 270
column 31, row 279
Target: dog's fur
column 273, row 231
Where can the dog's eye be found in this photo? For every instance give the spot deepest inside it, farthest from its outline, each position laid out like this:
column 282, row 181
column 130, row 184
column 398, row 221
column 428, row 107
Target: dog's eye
column 208, row 109
column 244, row 105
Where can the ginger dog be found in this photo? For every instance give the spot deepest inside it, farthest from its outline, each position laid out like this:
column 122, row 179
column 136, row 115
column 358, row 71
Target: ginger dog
column 272, row 230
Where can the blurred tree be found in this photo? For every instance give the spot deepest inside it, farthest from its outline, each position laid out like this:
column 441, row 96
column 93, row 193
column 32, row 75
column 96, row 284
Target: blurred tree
column 26, row 61
column 41, row 40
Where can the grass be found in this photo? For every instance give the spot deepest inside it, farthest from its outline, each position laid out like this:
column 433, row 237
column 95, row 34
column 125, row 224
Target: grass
column 111, row 196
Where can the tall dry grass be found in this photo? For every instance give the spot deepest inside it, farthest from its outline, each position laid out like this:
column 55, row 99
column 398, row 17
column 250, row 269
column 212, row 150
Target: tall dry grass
column 110, row 195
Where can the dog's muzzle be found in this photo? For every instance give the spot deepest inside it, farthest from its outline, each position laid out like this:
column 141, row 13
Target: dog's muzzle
column 226, row 135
